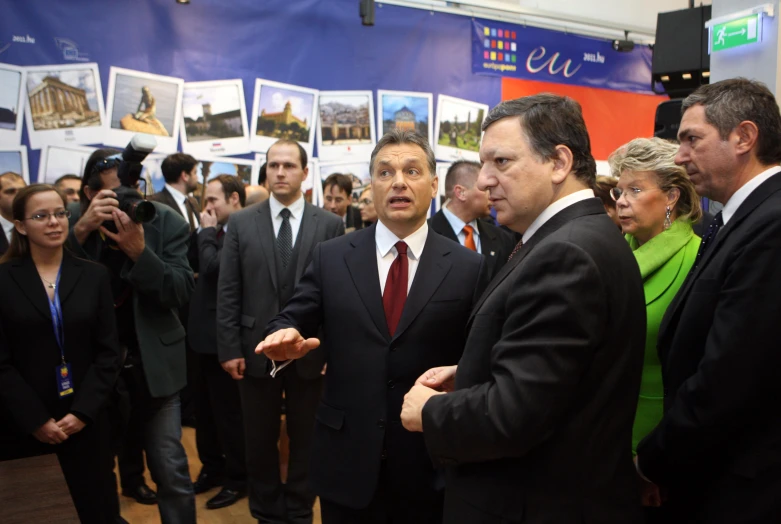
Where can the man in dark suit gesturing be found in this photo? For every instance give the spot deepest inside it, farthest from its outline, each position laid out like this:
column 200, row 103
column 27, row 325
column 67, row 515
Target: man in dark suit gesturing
column 538, row 427
column 718, row 447
column 407, row 294
column 265, row 251
column 459, row 220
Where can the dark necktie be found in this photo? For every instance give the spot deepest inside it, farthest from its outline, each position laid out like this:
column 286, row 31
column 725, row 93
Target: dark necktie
column 708, row 238
column 190, row 213
column 518, row 246
column 395, row 294
column 285, row 238
column 220, row 233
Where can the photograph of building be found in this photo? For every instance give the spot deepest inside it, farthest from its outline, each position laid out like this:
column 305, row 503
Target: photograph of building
column 9, row 97
column 62, row 99
column 284, row 113
column 212, row 113
column 405, row 112
column 144, row 105
column 345, row 119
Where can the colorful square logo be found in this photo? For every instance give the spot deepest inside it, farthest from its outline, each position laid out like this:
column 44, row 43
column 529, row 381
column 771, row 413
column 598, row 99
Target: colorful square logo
column 501, row 34
column 487, row 31
column 501, row 57
column 512, row 46
column 513, row 35
column 501, row 44
column 487, row 43
column 512, row 58
column 493, row 55
column 486, row 55
column 507, row 57
column 493, row 32
column 493, row 44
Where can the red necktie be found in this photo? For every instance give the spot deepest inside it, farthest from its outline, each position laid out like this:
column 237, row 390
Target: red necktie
column 469, row 241
column 395, row 293
column 220, row 233
column 518, row 246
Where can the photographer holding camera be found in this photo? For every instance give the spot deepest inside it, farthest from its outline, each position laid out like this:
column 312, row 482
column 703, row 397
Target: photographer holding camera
column 144, row 246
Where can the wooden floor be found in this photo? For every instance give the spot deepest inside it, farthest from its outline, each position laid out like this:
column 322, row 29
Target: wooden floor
column 238, row 513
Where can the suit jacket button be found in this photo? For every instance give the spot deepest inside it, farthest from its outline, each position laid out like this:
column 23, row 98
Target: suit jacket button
column 381, row 423
column 391, row 384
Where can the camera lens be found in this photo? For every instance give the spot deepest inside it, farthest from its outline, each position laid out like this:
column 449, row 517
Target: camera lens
column 142, row 211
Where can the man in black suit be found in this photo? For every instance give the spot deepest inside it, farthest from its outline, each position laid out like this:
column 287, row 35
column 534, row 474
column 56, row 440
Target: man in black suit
column 459, row 219
column 10, row 184
column 337, row 192
column 717, row 449
column 180, row 172
column 391, row 300
column 265, row 251
column 218, row 417
column 537, row 421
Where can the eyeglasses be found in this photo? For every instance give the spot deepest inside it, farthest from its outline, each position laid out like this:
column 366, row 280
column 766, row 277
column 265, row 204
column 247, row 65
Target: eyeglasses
column 62, row 214
column 365, row 201
column 630, row 193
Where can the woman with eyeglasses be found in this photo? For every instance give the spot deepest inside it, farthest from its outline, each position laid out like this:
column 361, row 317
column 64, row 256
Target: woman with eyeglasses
column 366, row 207
column 656, row 204
column 59, row 354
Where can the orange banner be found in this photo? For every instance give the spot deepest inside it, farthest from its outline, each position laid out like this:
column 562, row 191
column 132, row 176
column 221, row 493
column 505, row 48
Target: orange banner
column 613, row 118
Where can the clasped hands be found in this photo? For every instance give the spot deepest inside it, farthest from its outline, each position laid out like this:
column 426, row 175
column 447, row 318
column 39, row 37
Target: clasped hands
column 435, row 381
column 58, row 432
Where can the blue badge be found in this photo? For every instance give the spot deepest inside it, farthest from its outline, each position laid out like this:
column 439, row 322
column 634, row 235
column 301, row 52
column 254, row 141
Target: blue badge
column 64, row 380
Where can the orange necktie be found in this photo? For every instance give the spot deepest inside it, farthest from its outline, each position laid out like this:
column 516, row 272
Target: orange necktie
column 470, row 237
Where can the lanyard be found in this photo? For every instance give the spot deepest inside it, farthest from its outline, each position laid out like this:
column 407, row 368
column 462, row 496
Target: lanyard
column 55, row 309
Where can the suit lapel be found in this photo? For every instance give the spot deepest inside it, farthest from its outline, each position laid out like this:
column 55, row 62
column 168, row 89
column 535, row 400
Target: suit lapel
column 440, row 224
column 72, row 269
column 432, row 269
column 267, row 239
column 488, row 243
column 592, row 206
column 362, row 264
column 306, row 236
column 3, row 242
column 759, row 195
column 169, row 200
column 26, row 276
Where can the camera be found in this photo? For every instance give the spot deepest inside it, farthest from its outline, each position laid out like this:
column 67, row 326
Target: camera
column 128, row 164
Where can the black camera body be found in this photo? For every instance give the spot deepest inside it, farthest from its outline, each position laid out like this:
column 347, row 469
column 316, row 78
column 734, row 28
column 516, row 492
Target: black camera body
column 128, row 164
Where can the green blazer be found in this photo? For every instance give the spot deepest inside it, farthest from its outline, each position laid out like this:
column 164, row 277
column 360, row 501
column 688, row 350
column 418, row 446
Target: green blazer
column 665, row 261
column 162, row 282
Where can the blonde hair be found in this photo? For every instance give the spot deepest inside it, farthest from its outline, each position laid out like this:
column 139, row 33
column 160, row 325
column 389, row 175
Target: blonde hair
column 658, row 156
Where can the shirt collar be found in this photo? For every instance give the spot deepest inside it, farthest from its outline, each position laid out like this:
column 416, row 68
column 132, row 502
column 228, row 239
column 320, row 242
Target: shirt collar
column 554, row 208
column 456, row 223
column 742, row 194
column 178, row 195
column 6, row 225
column 385, row 240
column 296, row 208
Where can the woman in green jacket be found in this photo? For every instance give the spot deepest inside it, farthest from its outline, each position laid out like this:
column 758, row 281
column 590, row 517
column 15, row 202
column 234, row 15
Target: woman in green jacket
column 656, row 204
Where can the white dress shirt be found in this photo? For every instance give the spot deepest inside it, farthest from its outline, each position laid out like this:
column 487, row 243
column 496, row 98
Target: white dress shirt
column 458, row 227
column 180, row 198
column 8, row 228
column 385, row 241
column 554, row 209
column 740, row 196
column 296, row 214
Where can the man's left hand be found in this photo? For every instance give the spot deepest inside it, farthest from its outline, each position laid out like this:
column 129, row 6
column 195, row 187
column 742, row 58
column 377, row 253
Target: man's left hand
column 70, row 424
column 129, row 236
column 412, row 409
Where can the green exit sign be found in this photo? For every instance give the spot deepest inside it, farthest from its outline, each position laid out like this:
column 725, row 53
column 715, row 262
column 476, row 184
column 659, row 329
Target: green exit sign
column 742, row 31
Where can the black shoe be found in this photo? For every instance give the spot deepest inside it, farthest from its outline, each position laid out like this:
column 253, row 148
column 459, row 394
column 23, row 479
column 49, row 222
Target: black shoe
column 205, row 482
column 226, row 497
column 142, row 494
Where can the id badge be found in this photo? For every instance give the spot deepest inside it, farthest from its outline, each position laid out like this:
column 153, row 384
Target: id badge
column 64, row 380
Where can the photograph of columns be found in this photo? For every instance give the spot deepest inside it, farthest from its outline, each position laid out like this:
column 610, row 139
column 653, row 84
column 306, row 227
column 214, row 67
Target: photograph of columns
column 64, row 105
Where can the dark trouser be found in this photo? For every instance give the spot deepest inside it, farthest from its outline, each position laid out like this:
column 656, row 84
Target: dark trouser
column 161, row 438
column 130, row 459
column 386, row 507
column 87, row 464
column 261, row 400
column 219, row 431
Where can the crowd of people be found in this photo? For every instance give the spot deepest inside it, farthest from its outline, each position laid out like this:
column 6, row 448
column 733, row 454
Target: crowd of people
column 604, row 353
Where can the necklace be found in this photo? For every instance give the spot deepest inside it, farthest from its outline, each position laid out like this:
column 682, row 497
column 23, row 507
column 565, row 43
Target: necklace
column 50, row 285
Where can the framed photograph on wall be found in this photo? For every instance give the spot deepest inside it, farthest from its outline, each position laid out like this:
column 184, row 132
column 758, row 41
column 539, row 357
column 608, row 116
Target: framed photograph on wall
column 12, row 83
column 64, row 105
column 152, row 173
column 14, row 160
column 140, row 102
column 59, row 160
column 442, row 168
column 407, row 111
column 283, row 111
column 357, row 171
column 214, row 118
column 458, row 131
column 345, row 127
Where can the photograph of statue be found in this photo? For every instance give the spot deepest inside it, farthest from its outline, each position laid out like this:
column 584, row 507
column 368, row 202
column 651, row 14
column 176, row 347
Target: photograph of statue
column 64, row 105
column 283, row 111
column 140, row 102
column 405, row 111
column 458, row 128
